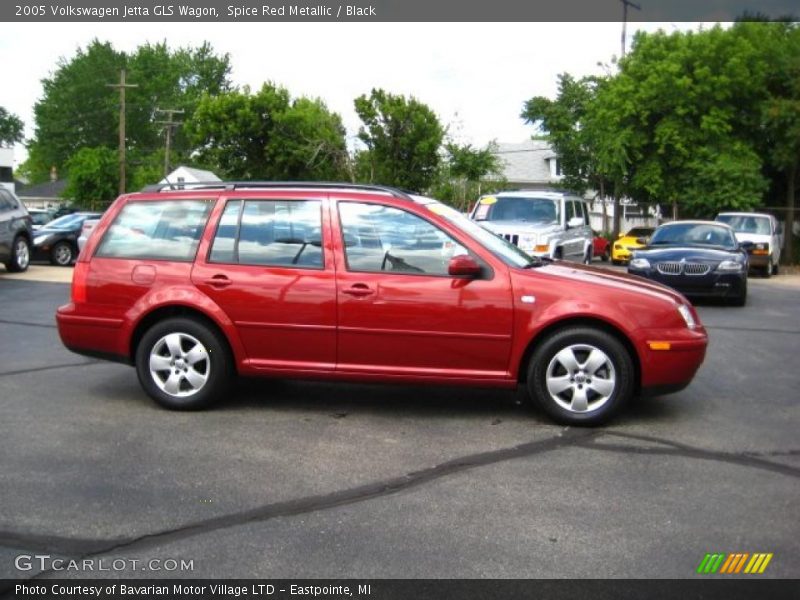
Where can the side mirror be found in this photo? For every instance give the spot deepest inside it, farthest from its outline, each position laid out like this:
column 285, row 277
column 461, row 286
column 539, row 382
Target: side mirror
column 642, row 241
column 463, row 265
column 575, row 222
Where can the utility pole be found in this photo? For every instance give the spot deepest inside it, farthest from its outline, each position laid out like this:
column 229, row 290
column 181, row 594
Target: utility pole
column 168, row 125
column 625, row 5
column 121, row 86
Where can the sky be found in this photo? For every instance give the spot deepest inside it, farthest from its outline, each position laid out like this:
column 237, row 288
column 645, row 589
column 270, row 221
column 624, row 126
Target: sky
column 475, row 76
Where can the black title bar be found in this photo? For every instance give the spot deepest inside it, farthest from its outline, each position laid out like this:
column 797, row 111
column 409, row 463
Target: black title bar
column 390, row 10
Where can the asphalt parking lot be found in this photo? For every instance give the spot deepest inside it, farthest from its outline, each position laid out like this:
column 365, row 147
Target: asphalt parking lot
column 301, row 479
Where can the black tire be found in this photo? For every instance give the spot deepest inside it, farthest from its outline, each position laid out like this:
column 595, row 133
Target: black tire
column 62, row 254
column 615, row 371
column 775, row 269
column 20, row 255
column 741, row 299
column 606, row 255
column 767, row 271
column 213, row 362
column 617, row 262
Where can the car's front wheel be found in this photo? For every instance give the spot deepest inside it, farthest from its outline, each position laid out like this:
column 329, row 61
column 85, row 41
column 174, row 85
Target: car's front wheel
column 62, row 254
column 581, row 375
column 20, row 255
column 183, row 364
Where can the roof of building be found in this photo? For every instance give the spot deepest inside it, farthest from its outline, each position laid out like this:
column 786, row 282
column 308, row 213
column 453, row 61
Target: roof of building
column 197, row 174
column 48, row 189
column 526, row 161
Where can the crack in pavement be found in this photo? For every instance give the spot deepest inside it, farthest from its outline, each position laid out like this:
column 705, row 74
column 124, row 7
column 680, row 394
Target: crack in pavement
column 575, row 438
column 28, row 324
column 51, row 367
column 672, row 448
column 87, row 548
column 752, row 329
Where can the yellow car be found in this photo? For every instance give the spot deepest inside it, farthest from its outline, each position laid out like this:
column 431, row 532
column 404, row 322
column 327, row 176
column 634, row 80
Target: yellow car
column 626, row 243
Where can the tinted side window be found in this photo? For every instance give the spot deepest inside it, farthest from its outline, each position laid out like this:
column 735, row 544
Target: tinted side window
column 380, row 238
column 168, row 230
column 5, row 201
column 571, row 210
column 224, row 246
column 270, row 232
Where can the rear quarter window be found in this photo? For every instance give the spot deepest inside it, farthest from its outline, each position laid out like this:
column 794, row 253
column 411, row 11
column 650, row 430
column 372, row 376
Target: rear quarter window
column 168, row 230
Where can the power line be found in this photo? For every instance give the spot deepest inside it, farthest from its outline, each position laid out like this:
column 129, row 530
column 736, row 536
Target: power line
column 121, row 86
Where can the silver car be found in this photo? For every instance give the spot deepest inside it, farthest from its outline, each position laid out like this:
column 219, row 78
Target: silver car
column 765, row 234
column 543, row 223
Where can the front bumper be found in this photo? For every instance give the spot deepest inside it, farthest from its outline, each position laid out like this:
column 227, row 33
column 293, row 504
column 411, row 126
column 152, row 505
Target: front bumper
column 714, row 284
column 673, row 366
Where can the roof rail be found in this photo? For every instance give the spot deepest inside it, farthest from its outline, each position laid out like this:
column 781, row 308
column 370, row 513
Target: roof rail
column 236, row 185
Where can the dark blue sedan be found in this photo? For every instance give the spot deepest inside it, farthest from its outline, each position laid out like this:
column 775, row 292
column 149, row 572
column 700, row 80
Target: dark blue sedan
column 697, row 258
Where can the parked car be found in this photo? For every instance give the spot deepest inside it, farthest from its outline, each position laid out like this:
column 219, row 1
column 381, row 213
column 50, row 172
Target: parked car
column 362, row 283
column 765, row 233
column 625, row 245
column 16, row 232
column 58, row 240
column 601, row 246
column 86, row 231
column 698, row 258
column 39, row 217
column 550, row 224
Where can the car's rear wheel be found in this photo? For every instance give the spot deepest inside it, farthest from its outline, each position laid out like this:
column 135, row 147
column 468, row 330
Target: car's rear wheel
column 775, row 269
column 606, row 255
column 183, row 364
column 62, row 254
column 20, row 255
column 581, row 375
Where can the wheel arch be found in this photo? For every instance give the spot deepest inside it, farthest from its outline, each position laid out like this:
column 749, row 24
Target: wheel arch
column 177, row 310
column 605, row 326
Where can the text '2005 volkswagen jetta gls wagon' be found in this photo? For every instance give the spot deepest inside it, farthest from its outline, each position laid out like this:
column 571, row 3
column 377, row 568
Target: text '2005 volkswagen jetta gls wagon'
column 362, row 283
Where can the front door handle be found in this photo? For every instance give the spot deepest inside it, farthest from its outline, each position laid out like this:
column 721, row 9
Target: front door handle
column 218, row 281
column 358, row 290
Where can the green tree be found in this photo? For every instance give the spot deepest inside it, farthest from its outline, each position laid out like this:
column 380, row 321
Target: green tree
column 78, row 109
column 778, row 137
column 267, row 135
column 11, row 128
column 402, row 138
column 579, row 134
column 94, row 177
column 465, row 169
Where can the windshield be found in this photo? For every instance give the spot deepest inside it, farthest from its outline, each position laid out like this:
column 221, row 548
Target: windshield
column 518, row 208
column 505, row 251
column 694, row 234
column 746, row 223
column 638, row 232
column 66, row 222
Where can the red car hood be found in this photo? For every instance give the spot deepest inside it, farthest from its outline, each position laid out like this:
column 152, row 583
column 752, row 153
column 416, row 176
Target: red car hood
column 612, row 280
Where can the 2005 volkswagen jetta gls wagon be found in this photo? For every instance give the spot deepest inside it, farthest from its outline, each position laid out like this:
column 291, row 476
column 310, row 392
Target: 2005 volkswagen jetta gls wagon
column 362, row 283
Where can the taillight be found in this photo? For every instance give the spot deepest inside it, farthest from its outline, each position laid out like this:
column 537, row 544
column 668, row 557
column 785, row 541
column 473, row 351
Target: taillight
column 79, row 276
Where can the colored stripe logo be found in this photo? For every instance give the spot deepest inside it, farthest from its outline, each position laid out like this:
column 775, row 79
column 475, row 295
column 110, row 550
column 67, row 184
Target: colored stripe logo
column 734, row 563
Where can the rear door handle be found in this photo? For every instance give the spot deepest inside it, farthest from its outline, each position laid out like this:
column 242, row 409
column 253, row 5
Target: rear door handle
column 358, row 290
column 218, row 281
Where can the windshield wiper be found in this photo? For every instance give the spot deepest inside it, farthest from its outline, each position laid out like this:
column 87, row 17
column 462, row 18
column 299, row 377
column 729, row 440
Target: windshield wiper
column 537, row 261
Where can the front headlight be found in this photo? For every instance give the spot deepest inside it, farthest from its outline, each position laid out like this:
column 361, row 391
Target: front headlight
column 640, row 263
column 730, row 266
column 686, row 313
column 39, row 239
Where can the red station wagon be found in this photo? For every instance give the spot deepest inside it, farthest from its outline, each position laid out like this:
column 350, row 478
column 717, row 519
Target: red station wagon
column 362, row 283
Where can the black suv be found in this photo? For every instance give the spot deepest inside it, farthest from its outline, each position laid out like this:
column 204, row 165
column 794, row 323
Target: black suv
column 15, row 232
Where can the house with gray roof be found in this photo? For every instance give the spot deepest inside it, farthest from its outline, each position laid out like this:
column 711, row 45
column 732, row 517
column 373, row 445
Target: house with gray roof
column 530, row 165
